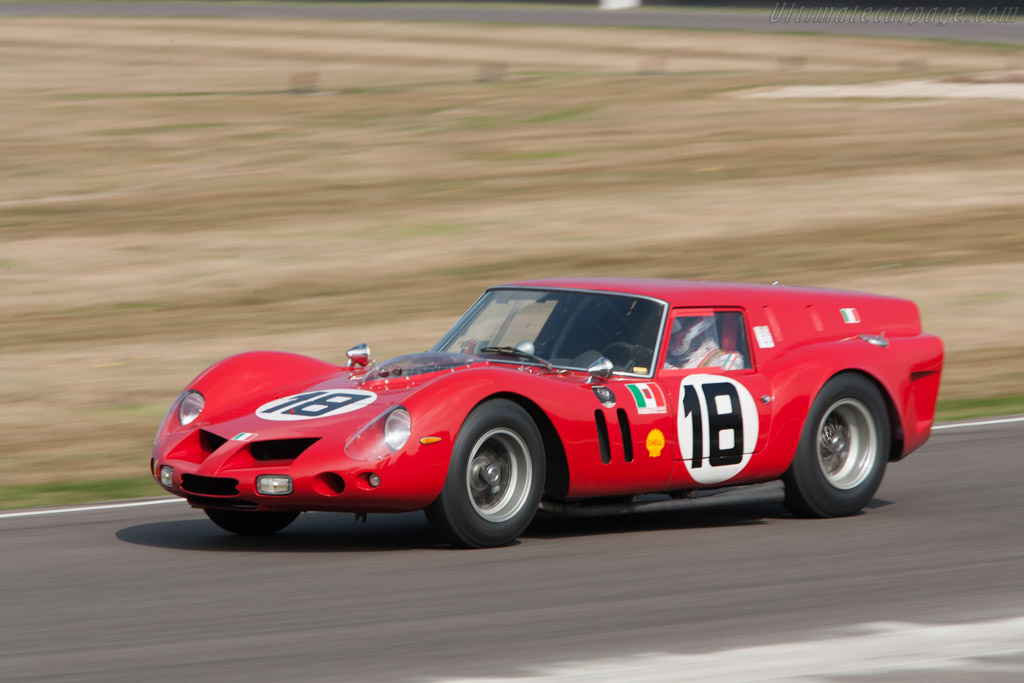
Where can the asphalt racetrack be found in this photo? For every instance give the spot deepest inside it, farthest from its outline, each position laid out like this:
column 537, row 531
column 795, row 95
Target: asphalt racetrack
column 926, row 585
column 970, row 26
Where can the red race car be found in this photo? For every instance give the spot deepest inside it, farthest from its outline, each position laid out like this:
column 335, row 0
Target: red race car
column 579, row 396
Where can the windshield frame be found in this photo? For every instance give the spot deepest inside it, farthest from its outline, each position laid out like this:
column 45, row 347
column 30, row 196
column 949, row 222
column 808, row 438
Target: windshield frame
column 473, row 310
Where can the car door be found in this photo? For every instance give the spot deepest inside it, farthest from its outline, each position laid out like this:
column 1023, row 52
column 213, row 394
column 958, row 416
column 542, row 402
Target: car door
column 720, row 403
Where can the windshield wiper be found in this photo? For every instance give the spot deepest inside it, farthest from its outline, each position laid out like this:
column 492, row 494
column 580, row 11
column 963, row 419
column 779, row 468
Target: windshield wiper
column 518, row 353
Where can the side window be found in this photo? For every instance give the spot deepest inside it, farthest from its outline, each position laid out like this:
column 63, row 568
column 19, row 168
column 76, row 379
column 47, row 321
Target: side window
column 707, row 339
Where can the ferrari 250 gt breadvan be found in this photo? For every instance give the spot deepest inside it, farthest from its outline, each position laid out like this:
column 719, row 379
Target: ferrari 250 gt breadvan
column 581, row 396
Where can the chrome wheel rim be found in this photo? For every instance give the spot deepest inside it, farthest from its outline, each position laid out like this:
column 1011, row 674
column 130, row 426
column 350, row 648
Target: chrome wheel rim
column 847, row 444
column 498, row 475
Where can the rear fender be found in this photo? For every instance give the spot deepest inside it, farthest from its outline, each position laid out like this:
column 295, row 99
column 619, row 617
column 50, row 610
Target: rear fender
column 906, row 373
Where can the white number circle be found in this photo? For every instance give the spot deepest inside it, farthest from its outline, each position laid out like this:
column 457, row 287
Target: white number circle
column 310, row 405
column 717, row 424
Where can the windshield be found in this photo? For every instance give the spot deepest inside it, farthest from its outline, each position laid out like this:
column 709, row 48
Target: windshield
column 566, row 328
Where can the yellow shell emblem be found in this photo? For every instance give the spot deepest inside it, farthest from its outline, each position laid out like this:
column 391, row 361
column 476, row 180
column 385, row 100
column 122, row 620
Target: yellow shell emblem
column 655, row 442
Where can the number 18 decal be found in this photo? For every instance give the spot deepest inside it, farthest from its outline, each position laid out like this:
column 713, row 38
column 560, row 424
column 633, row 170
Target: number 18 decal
column 717, row 423
column 313, row 404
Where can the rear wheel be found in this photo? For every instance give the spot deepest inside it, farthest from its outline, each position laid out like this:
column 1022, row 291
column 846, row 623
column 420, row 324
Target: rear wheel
column 495, row 478
column 843, row 450
column 254, row 523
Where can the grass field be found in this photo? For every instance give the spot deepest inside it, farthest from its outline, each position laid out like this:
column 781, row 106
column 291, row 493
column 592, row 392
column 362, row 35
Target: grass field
column 173, row 191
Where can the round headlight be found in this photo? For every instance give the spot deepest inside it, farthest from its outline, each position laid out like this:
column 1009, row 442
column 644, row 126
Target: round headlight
column 191, row 405
column 397, row 428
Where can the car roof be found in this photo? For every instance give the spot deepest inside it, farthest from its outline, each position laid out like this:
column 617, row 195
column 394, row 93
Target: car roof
column 696, row 292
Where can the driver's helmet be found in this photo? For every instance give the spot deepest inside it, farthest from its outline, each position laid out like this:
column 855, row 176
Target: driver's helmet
column 690, row 334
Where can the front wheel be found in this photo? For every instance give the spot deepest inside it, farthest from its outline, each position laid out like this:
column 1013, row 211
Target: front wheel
column 254, row 523
column 843, row 450
column 495, row 478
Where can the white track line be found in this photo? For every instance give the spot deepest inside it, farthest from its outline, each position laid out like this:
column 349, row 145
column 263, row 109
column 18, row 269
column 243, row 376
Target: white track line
column 90, row 508
column 873, row 651
column 961, row 425
column 132, row 504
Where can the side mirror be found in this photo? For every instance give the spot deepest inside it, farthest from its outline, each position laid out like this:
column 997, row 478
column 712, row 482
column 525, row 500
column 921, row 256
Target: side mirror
column 526, row 346
column 601, row 368
column 358, row 355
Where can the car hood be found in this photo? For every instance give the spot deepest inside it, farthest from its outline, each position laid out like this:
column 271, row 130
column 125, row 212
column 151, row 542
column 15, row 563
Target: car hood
column 342, row 401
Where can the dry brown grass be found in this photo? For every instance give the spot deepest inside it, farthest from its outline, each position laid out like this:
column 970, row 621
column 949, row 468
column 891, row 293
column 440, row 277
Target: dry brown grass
column 164, row 201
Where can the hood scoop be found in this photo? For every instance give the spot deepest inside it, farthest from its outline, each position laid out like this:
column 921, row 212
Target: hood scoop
column 280, row 449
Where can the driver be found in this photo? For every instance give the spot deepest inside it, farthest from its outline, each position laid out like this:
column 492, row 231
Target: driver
column 694, row 344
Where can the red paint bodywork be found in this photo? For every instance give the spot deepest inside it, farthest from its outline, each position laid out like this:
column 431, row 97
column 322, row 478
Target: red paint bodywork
column 812, row 344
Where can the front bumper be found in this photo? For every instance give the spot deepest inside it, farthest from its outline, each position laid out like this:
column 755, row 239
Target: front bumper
column 219, row 473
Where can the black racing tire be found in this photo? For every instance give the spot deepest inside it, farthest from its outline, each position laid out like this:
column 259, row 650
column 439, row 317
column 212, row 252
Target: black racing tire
column 250, row 523
column 843, row 450
column 495, row 478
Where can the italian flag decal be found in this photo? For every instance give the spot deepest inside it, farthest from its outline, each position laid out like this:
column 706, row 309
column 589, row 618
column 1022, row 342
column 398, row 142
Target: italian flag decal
column 649, row 398
column 850, row 315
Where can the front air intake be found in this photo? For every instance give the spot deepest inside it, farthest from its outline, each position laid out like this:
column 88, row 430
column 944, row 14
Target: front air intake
column 209, row 486
column 209, row 442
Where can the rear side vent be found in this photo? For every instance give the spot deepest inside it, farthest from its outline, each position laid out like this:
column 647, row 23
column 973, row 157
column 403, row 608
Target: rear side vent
column 627, row 437
column 280, row 449
column 209, row 442
column 602, row 437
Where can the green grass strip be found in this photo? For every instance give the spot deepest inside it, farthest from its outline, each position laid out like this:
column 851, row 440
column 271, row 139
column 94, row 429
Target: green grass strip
column 966, row 408
column 72, row 493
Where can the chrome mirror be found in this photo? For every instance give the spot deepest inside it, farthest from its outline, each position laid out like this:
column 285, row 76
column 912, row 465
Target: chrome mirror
column 526, row 346
column 601, row 368
column 358, row 355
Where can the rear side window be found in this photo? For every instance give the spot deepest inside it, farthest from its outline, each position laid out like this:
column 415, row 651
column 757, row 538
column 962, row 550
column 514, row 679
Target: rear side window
column 703, row 338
